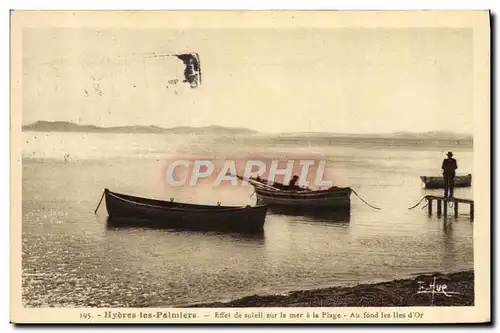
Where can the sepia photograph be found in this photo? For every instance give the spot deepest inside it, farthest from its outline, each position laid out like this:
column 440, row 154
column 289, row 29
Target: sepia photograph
column 239, row 166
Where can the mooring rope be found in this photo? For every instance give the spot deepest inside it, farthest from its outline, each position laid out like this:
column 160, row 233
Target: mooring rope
column 450, row 204
column 418, row 203
column 95, row 211
column 364, row 200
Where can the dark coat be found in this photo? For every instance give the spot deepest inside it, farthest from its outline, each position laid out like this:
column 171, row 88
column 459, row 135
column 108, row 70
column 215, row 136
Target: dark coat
column 449, row 166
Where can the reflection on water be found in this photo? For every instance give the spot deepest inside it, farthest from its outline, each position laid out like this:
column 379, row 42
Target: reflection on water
column 315, row 214
column 114, row 225
column 73, row 257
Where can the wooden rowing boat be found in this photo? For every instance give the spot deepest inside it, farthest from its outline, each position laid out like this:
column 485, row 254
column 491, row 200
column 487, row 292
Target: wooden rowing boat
column 126, row 209
column 334, row 197
column 431, row 182
column 279, row 195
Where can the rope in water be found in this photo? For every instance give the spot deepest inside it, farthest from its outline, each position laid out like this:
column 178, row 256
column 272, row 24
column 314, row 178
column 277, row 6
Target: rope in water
column 418, row 203
column 364, row 200
column 95, row 211
column 450, row 204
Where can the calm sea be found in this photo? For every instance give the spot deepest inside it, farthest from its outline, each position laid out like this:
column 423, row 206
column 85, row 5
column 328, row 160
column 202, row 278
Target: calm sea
column 72, row 258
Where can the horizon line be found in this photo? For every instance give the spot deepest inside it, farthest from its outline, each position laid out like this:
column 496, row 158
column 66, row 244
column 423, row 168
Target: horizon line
column 249, row 129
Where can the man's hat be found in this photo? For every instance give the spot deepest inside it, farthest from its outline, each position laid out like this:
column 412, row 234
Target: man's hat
column 449, row 154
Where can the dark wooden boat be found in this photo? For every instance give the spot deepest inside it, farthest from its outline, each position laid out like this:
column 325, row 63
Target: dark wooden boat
column 126, row 209
column 281, row 195
column 431, row 182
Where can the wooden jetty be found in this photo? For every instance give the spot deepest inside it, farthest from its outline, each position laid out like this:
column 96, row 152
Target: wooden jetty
column 442, row 205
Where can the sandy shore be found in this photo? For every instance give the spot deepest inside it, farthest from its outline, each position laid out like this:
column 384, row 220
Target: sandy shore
column 454, row 289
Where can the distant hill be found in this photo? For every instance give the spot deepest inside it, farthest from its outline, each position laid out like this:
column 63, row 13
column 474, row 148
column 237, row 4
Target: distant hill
column 64, row 126
column 431, row 135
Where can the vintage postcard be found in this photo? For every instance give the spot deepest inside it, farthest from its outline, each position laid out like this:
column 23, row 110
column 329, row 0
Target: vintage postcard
column 250, row 167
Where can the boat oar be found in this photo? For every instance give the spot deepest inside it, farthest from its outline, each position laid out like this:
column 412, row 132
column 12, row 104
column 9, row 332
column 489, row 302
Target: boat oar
column 102, row 197
column 256, row 183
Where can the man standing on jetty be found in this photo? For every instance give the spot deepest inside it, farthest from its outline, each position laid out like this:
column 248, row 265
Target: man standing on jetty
column 449, row 166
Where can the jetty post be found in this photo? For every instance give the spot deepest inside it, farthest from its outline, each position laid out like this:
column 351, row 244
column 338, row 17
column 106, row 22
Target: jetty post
column 429, row 206
column 442, row 205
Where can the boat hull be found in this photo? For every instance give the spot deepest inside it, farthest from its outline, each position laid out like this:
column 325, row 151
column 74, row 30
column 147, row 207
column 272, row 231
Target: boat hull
column 338, row 198
column 129, row 210
column 438, row 182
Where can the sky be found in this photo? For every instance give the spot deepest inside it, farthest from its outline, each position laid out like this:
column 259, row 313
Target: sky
column 343, row 80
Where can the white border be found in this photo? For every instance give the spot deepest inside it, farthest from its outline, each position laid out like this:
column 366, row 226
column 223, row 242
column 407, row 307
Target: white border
column 145, row 4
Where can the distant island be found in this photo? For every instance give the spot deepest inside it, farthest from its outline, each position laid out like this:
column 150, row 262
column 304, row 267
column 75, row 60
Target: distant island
column 430, row 135
column 64, row 126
